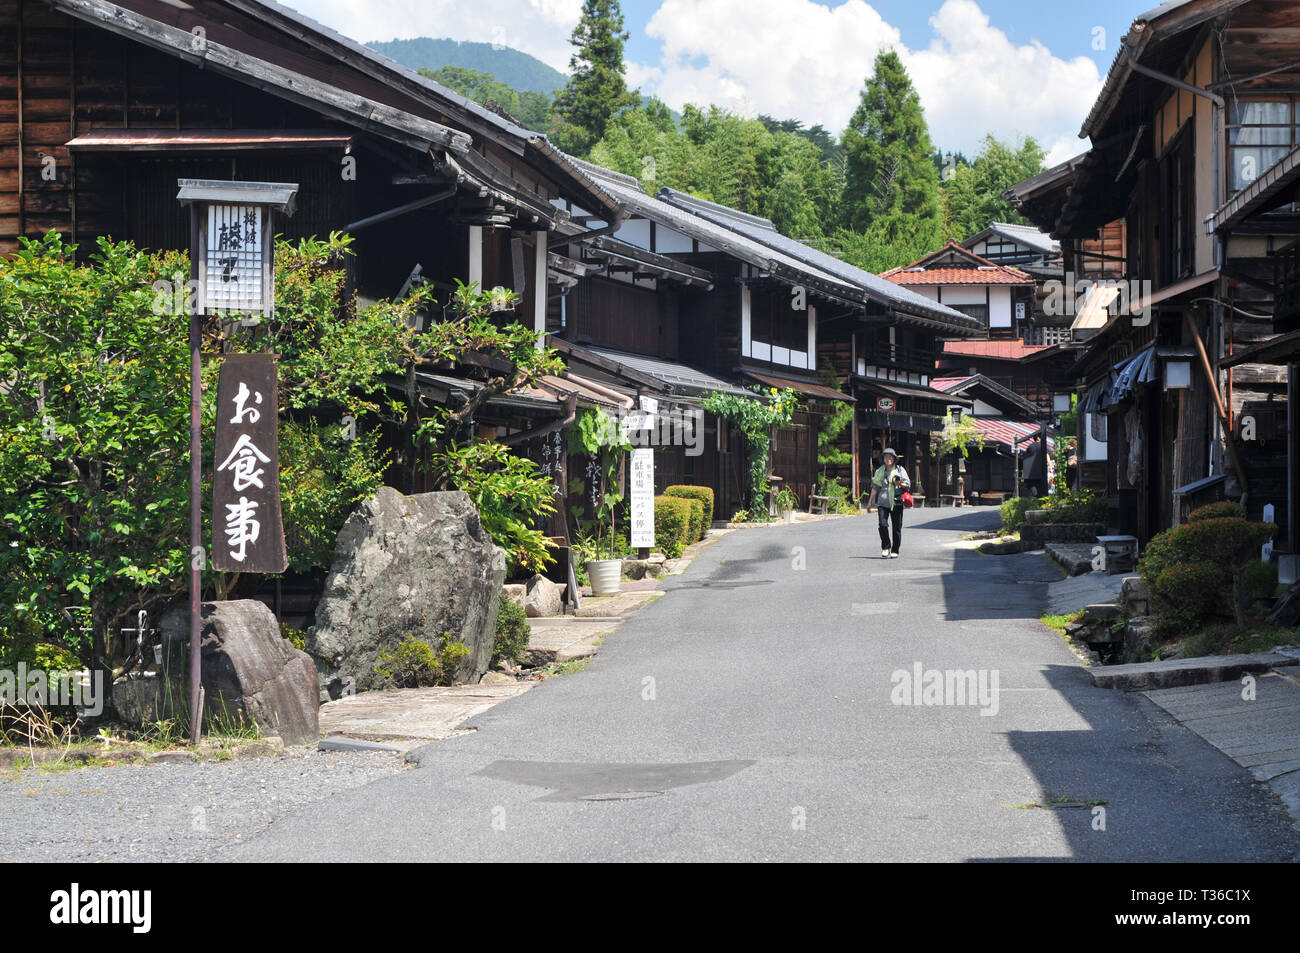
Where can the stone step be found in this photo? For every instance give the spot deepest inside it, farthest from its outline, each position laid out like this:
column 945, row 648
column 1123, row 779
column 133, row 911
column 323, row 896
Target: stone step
column 1173, row 673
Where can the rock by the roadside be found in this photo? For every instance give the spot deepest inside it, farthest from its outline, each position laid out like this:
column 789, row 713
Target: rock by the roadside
column 1101, row 612
column 544, row 598
column 417, row 565
column 1001, row 548
column 674, row 566
column 515, row 592
column 250, row 672
column 496, row 678
column 1287, row 611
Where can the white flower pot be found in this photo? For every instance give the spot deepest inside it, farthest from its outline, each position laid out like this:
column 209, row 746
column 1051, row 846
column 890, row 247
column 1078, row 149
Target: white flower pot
column 605, row 575
column 788, row 515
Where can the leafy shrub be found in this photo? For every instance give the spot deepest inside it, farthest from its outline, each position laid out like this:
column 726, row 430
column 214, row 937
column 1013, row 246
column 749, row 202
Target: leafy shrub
column 1259, row 580
column 702, row 493
column 786, row 499
column 1013, row 513
column 672, row 524
column 417, row 664
column 1084, row 506
column 1190, row 569
column 838, row 494
column 740, row 516
column 511, row 495
column 295, row 637
column 1185, row 596
column 1220, row 510
column 511, row 642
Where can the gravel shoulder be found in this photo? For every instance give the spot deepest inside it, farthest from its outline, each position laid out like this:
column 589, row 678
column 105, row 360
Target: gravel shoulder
column 169, row 812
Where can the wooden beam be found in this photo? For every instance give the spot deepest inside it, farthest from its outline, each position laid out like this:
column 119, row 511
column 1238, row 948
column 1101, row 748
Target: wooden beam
column 1224, row 420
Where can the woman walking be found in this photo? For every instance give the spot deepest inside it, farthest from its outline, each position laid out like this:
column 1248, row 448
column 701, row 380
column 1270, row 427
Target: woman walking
column 887, row 488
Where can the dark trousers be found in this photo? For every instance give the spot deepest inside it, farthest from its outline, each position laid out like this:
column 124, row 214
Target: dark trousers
column 888, row 516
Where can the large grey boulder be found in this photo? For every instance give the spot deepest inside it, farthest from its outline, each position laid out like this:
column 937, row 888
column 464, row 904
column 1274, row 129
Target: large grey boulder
column 250, row 673
column 543, row 598
column 417, row 565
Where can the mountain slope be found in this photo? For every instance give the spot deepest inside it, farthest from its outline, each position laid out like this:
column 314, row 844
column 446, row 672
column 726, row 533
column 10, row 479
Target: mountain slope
column 510, row 66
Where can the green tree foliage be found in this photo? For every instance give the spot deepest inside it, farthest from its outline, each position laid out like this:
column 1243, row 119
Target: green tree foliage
column 972, row 196
column 598, row 435
column 531, row 109
column 511, row 496
column 94, row 425
column 596, row 90
column 755, row 417
column 745, row 164
column 892, row 185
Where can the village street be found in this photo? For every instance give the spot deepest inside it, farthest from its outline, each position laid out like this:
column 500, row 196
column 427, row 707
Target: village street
column 756, row 697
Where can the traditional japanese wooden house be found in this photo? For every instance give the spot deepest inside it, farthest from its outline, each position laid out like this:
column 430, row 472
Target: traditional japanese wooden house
column 1038, row 255
column 1000, row 296
column 1006, row 422
column 876, row 342
column 1192, row 137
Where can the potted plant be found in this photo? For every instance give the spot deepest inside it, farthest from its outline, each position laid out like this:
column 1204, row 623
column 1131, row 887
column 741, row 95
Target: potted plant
column 786, row 502
column 599, row 435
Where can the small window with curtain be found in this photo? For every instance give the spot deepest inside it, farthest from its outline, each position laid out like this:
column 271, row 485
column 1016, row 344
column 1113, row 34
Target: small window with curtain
column 1259, row 135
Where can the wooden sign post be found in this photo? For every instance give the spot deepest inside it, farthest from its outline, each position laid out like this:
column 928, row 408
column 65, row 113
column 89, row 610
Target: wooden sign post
column 232, row 266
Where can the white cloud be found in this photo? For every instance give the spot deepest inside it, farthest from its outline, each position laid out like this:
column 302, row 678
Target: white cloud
column 797, row 58
column 539, row 27
column 1066, row 147
column 972, row 79
column 788, row 58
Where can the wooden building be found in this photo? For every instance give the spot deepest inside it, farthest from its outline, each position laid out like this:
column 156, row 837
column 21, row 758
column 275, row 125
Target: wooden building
column 875, row 341
column 1006, row 422
column 1193, row 143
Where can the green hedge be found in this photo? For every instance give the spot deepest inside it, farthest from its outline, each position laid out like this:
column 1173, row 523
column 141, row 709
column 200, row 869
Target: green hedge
column 1189, row 569
column 672, row 524
column 1220, row 510
column 697, row 520
column 702, row 493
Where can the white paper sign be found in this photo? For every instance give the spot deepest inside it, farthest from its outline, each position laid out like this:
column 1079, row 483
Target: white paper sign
column 642, row 498
column 234, row 259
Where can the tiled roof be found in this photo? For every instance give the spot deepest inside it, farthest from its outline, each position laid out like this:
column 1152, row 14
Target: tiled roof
column 1024, row 234
column 959, row 276
column 1012, row 433
column 1005, row 350
column 982, row 272
column 873, row 286
column 947, row 383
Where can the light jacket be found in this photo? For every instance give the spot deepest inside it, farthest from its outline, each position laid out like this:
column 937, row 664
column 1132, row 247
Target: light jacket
column 884, row 477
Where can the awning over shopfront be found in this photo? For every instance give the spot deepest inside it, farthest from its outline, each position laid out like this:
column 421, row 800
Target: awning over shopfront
column 1121, row 381
column 807, row 388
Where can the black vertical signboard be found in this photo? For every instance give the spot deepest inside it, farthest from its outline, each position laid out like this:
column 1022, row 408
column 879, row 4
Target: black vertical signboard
column 247, row 531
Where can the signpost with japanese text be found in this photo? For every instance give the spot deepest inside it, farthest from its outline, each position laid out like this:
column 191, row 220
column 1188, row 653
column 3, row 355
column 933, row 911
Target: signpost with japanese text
column 642, row 498
column 231, row 262
column 248, row 535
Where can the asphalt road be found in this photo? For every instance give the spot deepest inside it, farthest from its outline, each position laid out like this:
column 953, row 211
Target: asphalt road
column 749, row 714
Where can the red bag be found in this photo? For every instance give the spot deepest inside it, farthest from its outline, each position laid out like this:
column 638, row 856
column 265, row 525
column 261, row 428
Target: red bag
column 907, row 499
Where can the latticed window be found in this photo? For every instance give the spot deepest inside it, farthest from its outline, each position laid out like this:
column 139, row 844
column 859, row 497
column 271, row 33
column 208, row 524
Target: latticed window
column 1259, row 134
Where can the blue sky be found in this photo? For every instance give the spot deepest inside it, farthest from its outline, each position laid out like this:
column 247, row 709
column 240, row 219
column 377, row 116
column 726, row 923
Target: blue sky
column 1063, row 26
column 1012, row 68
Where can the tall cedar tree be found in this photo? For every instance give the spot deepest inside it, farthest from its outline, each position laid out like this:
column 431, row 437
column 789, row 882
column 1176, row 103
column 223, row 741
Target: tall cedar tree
column 892, row 186
column 596, row 90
